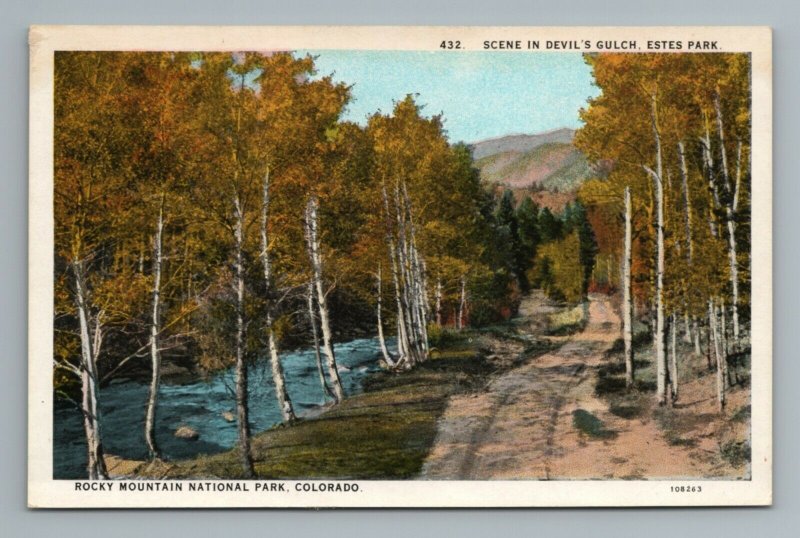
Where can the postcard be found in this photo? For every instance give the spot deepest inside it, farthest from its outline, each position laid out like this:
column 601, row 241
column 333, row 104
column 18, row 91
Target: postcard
column 400, row 266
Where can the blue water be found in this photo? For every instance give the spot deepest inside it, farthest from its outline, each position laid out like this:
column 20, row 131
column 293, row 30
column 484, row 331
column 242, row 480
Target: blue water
column 200, row 405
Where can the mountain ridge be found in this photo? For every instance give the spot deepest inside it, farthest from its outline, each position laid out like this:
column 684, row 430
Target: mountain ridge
column 546, row 167
column 520, row 142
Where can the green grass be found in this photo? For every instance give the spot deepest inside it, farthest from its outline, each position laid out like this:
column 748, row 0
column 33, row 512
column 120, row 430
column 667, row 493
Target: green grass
column 642, row 340
column 568, row 321
column 383, row 433
column 742, row 415
column 737, row 453
column 627, row 410
column 446, row 338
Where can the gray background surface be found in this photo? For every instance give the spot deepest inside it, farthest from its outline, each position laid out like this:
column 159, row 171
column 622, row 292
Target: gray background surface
column 15, row 520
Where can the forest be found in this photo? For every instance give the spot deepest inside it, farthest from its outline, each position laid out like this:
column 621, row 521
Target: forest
column 214, row 206
column 214, row 210
column 671, row 138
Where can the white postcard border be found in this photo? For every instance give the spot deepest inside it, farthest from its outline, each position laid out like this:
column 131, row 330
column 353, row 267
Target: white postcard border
column 43, row 491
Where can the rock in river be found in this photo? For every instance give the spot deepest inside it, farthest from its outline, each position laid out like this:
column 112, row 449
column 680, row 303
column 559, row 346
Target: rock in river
column 185, row 432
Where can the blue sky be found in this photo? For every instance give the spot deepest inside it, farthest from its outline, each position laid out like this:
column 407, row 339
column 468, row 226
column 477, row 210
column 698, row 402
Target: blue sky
column 481, row 94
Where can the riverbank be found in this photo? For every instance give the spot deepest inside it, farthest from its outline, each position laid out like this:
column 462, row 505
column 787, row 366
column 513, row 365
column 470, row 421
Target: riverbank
column 387, row 431
column 384, row 433
column 204, row 406
column 539, row 397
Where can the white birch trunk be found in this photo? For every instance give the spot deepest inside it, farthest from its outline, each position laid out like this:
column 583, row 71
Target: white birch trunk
column 312, row 234
column 723, row 329
column 413, row 287
column 141, row 256
column 696, row 335
column 687, row 328
column 419, row 283
column 438, row 302
column 95, row 465
column 282, row 395
column 673, row 357
column 155, row 329
column 730, row 217
column 312, row 319
column 412, row 314
column 721, row 134
column 387, row 357
column 708, row 161
column 284, row 402
column 403, row 344
column 687, row 201
column 720, row 360
column 724, row 345
column 462, row 304
column 242, row 411
column 661, row 362
column 738, row 185
column 709, row 336
column 405, row 351
column 627, row 303
column 423, row 284
column 421, row 301
column 423, row 314
column 407, row 328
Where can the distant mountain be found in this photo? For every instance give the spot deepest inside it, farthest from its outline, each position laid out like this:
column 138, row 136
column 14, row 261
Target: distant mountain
column 520, row 142
column 546, row 161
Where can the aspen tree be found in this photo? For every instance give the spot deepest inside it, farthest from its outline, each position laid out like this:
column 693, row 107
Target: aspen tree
column 673, row 357
column 627, row 300
column 92, row 180
column 387, row 357
column 155, row 330
column 658, row 186
column 312, row 318
column 284, row 402
column 687, row 114
column 312, row 239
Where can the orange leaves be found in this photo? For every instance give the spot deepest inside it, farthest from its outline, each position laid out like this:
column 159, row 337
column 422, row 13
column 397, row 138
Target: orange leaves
column 618, row 127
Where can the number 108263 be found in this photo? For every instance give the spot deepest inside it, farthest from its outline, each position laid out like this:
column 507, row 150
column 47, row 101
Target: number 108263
column 686, row 489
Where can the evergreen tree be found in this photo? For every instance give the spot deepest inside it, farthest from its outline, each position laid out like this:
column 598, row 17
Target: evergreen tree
column 550, row 226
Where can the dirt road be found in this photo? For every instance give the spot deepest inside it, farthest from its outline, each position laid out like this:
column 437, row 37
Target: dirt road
column 525, row 424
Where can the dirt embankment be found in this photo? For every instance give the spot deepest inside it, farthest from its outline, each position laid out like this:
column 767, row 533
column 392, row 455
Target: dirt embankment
column 553, row 418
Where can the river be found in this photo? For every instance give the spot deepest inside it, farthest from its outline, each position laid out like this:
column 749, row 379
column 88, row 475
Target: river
column 201, row 405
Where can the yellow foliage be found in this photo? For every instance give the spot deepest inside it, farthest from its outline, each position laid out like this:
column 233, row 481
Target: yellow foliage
column 557, row 269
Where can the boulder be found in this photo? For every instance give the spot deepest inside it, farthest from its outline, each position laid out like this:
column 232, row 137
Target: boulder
column 186, row 432
column 227, row 415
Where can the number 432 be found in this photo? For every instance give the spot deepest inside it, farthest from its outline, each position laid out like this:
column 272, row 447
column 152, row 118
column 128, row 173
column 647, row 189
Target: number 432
column 450, row 45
